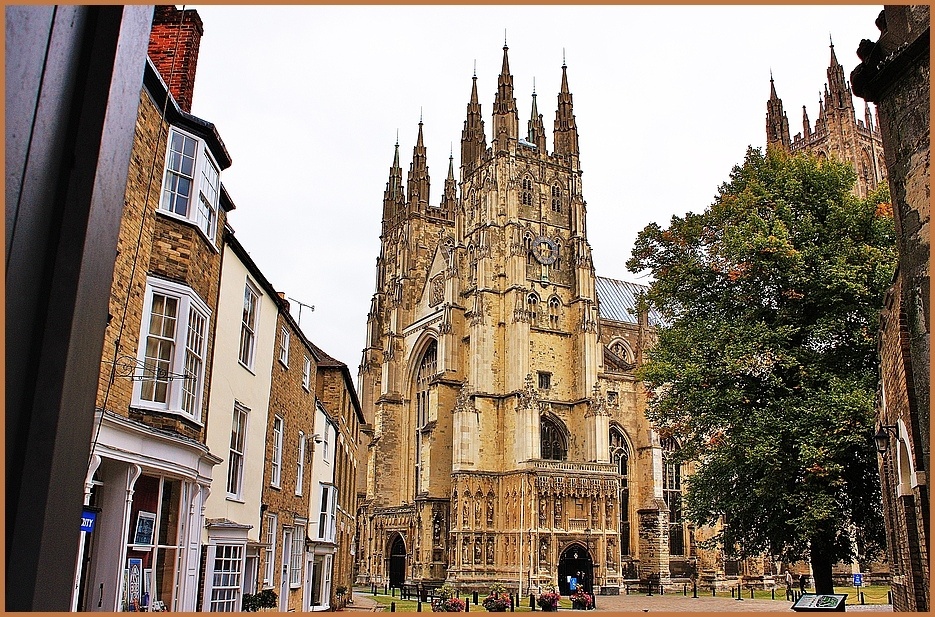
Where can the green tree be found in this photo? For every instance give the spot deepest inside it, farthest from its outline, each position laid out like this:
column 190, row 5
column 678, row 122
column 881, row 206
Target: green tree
column 766, row 372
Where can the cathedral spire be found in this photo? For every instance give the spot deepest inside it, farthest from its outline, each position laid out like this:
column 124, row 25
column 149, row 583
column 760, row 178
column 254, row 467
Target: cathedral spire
column 505, row 115
column 393, row 198
column 806, row 126
column 417, row 184
column 450, row 195
column 777, row 123
column 566, row 132
column 839, row 95
column 473, row 139
column 536, row 129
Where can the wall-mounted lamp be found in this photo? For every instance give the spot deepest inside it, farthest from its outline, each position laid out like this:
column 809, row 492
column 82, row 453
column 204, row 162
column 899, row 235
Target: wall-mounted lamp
column 882, row 438
column 317, row 437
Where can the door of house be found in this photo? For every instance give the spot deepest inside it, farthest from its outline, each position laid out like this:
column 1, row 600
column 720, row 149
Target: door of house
column 286, row 562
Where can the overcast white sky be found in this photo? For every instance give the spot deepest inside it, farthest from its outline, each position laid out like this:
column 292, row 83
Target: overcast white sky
column 308, row 100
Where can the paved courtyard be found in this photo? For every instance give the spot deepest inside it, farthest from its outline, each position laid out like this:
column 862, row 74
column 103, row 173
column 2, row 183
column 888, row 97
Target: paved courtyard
column 668, row 603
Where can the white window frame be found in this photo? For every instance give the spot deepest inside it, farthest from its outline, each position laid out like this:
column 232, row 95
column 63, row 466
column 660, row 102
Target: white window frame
column 325, row 441
column 248, row 325
column 284, row 338
column 269, row 574
column 300, row 464
column 297, row 556
column 279, row 429
column 326, row 490
column 227, row 579
column 202, row 205
column 237, row 451
column 307, row 374
column 191, row 310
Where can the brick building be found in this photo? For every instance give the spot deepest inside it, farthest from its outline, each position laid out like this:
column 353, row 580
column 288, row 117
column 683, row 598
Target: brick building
column 837, row 132
column 338, row 424
column 287, row 479
column 150, row 468
column 509, row 442
column 895, row 74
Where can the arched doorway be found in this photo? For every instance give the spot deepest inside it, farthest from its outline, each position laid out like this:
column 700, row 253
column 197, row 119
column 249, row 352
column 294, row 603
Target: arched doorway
column 397, row 562
column 576, row 563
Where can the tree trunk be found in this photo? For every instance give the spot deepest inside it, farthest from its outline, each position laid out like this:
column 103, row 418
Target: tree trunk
column 822, row 563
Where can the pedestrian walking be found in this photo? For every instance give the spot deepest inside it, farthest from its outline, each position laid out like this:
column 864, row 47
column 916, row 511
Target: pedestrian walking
column 790, row 595
column 803, row 579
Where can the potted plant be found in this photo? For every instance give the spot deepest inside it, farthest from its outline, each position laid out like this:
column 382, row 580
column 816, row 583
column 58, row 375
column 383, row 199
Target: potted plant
column 548, row 599
column 497, row 600
column 446, row 602
column 581, row 600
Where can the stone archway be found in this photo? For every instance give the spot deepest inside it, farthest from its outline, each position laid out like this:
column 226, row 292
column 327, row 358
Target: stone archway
column 576, row 563
column 397, row 562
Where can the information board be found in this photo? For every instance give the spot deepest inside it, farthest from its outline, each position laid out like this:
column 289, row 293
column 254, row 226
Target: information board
column 820, row 602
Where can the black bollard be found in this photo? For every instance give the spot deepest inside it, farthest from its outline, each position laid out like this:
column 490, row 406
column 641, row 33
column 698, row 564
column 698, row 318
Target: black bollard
column 732, row 592
column 861, row 597
column 684, row 589
column 373, row 587
column 751, row 593
column 694, row 589
column 511, row 602
column 385, row 590
column 628, row 588
column 392, row 607
column 772, row 593
column 475, row 598
column 467, row 606
column 739, row 592
column 650, row 585
column 418, row 607
column 889, row 596
column 532, row 602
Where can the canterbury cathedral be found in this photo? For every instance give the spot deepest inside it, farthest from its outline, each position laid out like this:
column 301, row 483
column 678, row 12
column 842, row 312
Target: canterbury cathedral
column 509, row 442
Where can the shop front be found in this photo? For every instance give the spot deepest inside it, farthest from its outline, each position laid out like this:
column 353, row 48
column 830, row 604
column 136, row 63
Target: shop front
column 147, row 488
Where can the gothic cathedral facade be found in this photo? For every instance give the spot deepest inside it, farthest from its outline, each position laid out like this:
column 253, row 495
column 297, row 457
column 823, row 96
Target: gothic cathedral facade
column 509, row 442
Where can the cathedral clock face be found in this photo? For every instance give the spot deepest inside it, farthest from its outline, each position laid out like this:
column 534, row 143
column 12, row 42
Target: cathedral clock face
column 544, row 250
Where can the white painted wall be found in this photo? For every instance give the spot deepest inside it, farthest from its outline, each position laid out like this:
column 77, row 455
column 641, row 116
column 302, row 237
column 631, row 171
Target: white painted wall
column 232, row 381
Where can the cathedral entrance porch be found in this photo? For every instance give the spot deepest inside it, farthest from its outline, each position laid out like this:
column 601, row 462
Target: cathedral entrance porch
column 575, row 565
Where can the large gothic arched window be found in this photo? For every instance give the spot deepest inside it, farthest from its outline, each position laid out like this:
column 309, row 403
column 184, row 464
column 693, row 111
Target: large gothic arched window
column 620, row 456
column 672, row 493
column 427, row 370
column 551, row 440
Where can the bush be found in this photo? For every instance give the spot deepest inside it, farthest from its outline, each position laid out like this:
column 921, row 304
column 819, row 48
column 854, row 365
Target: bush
column 446, row 602
column 497, row 600
column 252, row 602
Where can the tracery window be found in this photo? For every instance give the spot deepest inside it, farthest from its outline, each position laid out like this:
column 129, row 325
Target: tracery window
column 672, row 494
column 551, row 440
column 556, row 198
column 619, row 348
column 427, row 370
column 620, row 456
column 554, row 312
column 532, row 309
column 526, row 193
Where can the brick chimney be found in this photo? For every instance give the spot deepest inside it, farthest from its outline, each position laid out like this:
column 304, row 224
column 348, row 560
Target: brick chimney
column 176, row 32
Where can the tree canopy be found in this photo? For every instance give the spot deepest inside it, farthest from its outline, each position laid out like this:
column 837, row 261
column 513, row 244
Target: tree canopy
column 766, row 371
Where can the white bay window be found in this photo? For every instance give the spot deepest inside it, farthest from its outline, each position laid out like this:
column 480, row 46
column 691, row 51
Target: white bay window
column 189, row 163
column 173, row 344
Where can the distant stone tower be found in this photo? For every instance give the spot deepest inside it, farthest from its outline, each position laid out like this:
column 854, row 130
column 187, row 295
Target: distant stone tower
column 837, row 132
column 509, row 440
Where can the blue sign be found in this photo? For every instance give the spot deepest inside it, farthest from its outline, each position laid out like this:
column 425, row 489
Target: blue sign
column 858, row 579
column 87, row 520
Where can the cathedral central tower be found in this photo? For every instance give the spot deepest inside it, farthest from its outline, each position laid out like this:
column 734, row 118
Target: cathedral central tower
column 502, row 428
